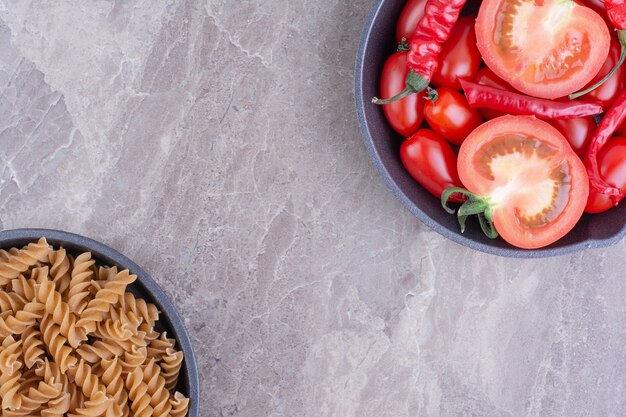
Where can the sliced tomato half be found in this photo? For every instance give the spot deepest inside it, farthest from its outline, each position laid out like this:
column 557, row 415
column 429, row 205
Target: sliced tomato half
column 523, row 179
column 544, row 48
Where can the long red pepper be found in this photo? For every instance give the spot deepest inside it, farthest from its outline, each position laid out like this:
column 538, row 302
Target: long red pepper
column 485, row 97
column 426, row 44
column 610, row 122
column 616, row 10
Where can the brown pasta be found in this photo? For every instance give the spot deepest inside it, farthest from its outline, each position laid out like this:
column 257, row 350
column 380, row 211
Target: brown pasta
column 33, row 342
column 180, row 405
column 74, row 343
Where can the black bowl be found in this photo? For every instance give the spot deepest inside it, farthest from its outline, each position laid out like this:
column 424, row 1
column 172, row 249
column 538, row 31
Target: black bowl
column 383, row 144
column 144, row 286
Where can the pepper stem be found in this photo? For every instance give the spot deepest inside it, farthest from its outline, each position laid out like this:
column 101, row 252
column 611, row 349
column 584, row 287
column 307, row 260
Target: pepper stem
column 403, row 46
column 414, row 84
column 475, row 205
column 622, row 40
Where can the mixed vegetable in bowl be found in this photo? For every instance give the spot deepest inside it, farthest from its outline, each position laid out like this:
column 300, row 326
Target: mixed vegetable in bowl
column 499, row 109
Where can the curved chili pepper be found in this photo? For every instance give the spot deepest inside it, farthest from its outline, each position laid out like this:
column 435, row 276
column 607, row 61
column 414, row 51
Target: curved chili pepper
column 610, row 122
column 426, row 44
column 485, row 97
column 616, row 10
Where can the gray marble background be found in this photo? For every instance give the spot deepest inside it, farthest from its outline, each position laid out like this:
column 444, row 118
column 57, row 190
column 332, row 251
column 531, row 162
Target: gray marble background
column 216, row 144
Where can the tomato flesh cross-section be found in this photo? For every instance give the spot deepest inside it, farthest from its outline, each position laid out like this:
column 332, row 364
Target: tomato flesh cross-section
column 544, row 48
column 533, row 185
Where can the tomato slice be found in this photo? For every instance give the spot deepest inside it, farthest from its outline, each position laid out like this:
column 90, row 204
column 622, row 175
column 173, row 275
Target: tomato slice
column 529, row 176
column 544, row 48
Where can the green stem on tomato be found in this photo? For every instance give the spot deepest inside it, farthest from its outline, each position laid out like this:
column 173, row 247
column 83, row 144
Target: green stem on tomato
column 475, row 205
column 621, row 34
column 404, row 46
column 414, row 84
column 431, row 94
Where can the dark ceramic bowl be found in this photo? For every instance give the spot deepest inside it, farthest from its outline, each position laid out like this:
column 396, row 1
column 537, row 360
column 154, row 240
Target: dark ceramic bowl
column 383, row 144
column 144, row 287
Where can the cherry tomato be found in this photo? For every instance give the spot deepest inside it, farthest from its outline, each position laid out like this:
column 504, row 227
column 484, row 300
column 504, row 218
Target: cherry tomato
column 431, row 161
column 409, row 18
column 450, row 115
column 405, row 115
column 459, row 58
column 546, row 49
column 578, row 132
column 534, row 184
column 612, row 163
column 485, row 76
column 607, row 93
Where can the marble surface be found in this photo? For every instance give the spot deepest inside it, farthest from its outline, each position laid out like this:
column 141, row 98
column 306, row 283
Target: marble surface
column 216, row 144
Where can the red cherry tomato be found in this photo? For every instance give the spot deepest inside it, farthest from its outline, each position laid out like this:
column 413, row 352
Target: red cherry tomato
column 450, row 115
column 578, row 132
column 565, row 49
column 459, row 58
column 409, row 18
column 612, row 162
column 534, row 184
column 608, row 92
column 405, row 115
column 431, row 161
column 485, row 76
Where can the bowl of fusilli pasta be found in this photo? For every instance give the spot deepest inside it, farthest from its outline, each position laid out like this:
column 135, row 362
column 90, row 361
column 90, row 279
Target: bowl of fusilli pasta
column 84, row 331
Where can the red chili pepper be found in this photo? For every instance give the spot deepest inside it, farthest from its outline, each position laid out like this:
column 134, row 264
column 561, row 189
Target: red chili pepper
column 616, row 9
column 430, row 34
column 610, row 122
column 485, row 97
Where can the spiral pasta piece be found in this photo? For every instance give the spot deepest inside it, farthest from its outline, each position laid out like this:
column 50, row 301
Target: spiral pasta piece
column 112, row 379
column 138, row 394
column 60, row 312
column 60, row 269
column 171, row 364
column 113, row 329
column 80, row 281
column 99, row 405
column 20, row 321
column 107, row 296
column 55, row 344
column 180, row 405
column 158, row 347
column 159, row 395
column 98, row 351
column 138, row 306
column 36, row 397
column 33, row 353
column 23, row 259
column 10, row 373
column 133, row 358
column 85, row 379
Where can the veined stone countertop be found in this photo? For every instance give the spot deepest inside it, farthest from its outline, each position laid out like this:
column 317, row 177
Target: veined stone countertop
column 216, row 144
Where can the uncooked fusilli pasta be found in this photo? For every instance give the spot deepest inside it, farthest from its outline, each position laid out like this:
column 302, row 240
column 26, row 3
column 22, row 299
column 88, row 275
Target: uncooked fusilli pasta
column 74, row 343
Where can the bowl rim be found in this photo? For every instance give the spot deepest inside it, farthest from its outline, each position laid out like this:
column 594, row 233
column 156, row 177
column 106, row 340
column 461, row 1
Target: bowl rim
column 361, row 102
column 108, row 254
